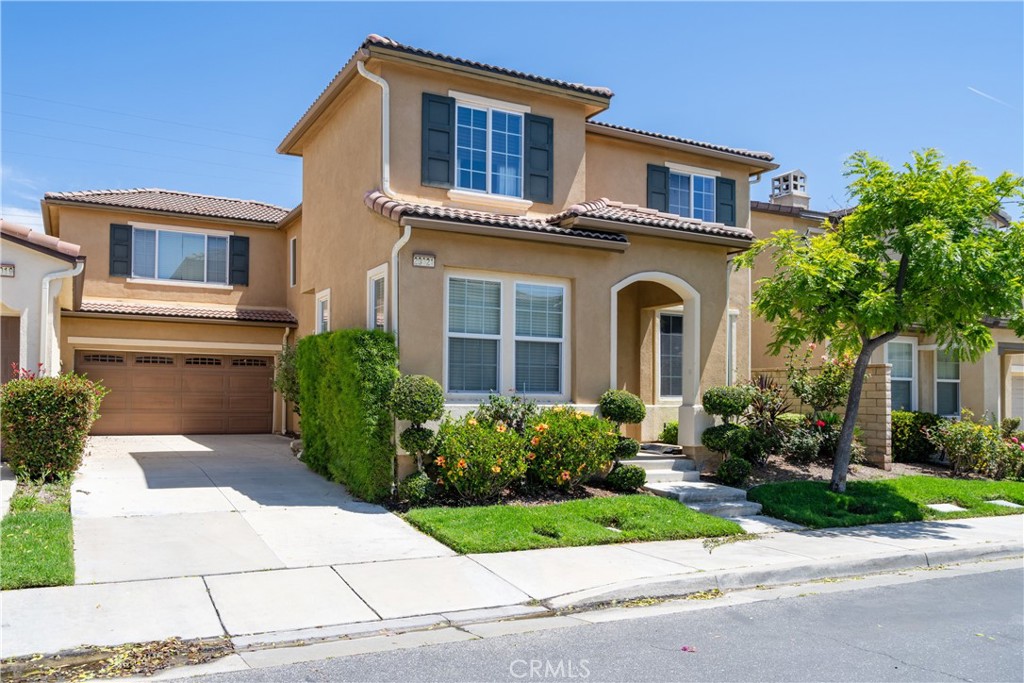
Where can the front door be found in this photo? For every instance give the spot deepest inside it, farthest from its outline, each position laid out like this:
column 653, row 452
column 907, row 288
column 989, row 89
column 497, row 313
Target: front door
column 10, row 346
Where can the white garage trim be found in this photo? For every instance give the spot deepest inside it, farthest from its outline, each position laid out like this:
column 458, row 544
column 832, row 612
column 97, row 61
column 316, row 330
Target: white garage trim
column 145, row 344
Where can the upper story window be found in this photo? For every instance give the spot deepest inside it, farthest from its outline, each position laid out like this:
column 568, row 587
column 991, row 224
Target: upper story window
column 691, row 195
column 376, row 298
column 489, row 150
column 176, row 255
column 323, row 312
column 293, row 261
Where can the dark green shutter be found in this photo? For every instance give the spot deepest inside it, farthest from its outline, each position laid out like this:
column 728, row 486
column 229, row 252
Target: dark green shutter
column 657, row 187
column 120, row 250
column 539, row 150
column 725, row 200
column 438, row 157
column 238, row 261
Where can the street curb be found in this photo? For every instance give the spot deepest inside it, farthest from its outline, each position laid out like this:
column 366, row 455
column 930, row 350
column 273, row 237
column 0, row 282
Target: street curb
column 795, row 572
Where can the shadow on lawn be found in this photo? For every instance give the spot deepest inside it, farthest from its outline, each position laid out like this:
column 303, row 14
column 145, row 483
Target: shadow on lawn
column 811, row 504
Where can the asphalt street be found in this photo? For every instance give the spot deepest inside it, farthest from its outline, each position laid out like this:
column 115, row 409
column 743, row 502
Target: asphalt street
column 967, row 628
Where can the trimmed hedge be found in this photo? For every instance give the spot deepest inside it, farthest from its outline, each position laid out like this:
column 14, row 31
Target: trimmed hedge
column 45, row 421
column 909, row 440
column 345, row 382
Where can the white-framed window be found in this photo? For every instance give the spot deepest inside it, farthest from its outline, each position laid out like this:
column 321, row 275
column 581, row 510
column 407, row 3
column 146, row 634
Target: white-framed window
column 692, row 195
column 901, row 354
column 947, row 383
column 670, row 354
column 376, row 298
column 293, row 261
column 323, row 311
column 180, row 255
column 488, row 147
column 506, row 333
column 730, row 348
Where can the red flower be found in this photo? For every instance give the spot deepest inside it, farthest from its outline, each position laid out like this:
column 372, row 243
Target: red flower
column 820, row 423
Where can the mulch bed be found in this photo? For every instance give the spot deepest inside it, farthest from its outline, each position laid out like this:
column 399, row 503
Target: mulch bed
column 779, row 469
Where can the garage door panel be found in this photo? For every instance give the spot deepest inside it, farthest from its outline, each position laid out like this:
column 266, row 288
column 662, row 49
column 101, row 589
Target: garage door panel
column 153, row 393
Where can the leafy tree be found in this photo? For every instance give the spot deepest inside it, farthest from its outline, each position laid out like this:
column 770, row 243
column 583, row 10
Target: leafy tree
column 286, row 379
column 919, row 250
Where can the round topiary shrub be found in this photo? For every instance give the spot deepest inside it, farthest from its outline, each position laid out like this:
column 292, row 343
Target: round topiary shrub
column 717, row 438
column 733, row 472
column 626, row 448
column 726, row 402
column 417, row 398
column 622, row 407
column 627, row 478
column 416, row 489
column 417, row 439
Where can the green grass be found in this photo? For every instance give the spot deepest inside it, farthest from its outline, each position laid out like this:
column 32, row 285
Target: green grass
column 497, row 528
column 36, row 537
column 891, row 500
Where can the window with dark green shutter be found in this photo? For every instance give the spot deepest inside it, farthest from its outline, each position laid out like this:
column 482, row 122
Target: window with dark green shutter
column 540, row 155
column 120, row 250
column 238, row 271
column 438, row 167
column 657, row 187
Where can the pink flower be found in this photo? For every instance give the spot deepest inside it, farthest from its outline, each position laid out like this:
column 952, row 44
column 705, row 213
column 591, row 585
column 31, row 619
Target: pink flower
column 1014, row 439
column 820, row 423
column 812, row 346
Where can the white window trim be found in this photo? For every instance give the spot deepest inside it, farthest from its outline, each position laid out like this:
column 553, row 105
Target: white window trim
column 506, row 336
column 324, row 297
column 959, row 396
column 658, row 398
column 714, row 192
column 156, row 228
column 487, row 102
column 293, row 261
column 489, row 105
column 372, row 275
column 914, row 369
column 692, row 170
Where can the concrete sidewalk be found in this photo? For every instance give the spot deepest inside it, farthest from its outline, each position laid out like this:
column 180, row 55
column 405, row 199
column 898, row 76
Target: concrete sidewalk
column 312, row 603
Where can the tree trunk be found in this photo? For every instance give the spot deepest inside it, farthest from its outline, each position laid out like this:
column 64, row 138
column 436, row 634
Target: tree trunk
column 844, row 449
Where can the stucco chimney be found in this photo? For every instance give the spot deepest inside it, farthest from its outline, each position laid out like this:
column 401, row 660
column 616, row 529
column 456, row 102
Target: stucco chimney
column 790, row 189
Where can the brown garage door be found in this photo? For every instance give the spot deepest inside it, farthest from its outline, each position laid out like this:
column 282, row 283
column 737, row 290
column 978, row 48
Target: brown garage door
column 164, row 393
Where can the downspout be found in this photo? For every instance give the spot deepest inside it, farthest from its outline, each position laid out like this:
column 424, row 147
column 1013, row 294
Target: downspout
column 729, row 351
column 385, row 182
column 47, row 310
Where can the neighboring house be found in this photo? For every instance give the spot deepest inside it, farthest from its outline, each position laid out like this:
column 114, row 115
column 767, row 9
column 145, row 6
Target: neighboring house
column 41, row 275
column 182, row 309
column 513, row 244
column 922, row 375
column 510, row 243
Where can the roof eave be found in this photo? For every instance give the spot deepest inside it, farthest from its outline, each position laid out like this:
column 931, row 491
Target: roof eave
column 44, row 250
column 758, row 166
column 333, row 89
column 109, row 315
column 655, row 231
column 52, row 202
column 511, row 233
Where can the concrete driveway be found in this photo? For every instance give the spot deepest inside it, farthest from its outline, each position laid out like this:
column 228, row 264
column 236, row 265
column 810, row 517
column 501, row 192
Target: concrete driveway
column 148, row 507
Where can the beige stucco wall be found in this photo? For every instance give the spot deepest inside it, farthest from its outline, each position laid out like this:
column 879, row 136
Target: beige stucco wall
column 90, row 228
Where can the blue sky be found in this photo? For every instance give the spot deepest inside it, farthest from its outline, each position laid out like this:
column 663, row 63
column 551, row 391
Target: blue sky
column 196, row 96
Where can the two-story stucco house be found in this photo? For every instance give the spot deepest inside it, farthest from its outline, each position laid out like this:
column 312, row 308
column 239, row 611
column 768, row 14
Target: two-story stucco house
column 509, row 241
column 922, row 376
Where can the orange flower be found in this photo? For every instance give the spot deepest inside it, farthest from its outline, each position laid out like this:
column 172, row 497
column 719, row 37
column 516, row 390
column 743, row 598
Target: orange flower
column 531, row 456
column 541, row 427
column 501, row 428
column 495, row 469
column 471, row 421
column 439, row 461
column 462, row 464
column 534, row 441
column 566, row 476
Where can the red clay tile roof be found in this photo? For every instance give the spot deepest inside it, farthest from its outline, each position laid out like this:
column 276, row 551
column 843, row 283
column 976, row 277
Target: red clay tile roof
column 761, row 156
column 59, row 247
column 768, row 207
column 610, row 210
column 258, row 315
column 170, row 201
column 382, row 41
column 395, row 209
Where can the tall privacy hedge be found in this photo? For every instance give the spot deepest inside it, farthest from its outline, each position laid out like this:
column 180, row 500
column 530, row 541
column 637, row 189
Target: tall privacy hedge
column 345, row 381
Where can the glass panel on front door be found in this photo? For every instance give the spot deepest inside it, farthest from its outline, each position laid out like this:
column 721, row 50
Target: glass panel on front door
column 671, row 355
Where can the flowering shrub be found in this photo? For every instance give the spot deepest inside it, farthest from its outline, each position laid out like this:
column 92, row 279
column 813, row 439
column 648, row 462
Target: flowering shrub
column 566, row 446
column 976, row 447
column 477, row 460
column 514, row 411
column 825, row 389
column 44, row 422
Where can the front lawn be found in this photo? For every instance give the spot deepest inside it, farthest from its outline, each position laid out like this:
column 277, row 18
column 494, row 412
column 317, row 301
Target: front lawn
column 903, row 499
column 37, row 538
column 497, row 528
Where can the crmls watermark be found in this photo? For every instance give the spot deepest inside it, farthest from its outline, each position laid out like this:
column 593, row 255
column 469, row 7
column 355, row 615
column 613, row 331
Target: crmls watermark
column 532, row 669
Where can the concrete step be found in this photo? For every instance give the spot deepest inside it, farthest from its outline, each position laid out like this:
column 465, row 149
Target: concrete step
column 660, row 449
column 678, row 464
column 698, row 492
column 661, row 476
column 727, row 508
